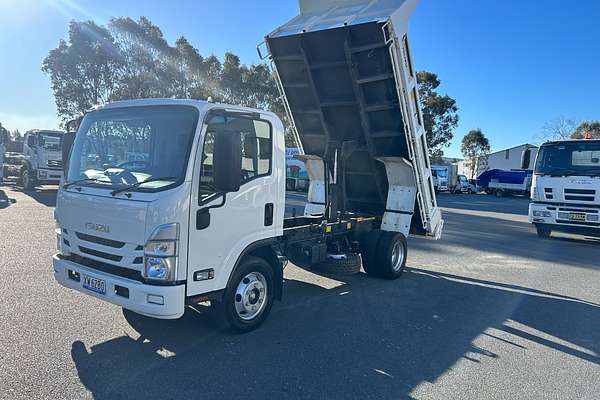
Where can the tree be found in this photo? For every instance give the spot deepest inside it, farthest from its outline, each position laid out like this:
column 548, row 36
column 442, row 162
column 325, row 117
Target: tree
column 476, row 149
column 82, row 70
column 440, row 113
column 591, row 127
column 560, row 128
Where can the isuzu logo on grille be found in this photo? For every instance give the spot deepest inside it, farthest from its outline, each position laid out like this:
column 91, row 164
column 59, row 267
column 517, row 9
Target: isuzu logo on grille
column 90, row 226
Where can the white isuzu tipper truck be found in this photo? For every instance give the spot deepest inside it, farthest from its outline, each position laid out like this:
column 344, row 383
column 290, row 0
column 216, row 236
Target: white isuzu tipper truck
column 565, row 192
column 200, row 215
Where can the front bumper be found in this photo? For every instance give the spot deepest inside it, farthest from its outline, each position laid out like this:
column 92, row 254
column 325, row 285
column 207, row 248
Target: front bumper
column 173, row 296
column 558, row 217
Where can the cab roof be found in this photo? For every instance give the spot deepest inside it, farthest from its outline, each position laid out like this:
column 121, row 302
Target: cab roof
column 201, row 105
column 553, row 142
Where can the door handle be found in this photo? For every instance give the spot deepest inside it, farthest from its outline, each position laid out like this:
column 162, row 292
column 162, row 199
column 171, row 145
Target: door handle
column 269, row 207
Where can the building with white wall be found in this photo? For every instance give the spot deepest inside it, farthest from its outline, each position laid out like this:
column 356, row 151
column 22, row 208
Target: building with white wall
column 517, row 157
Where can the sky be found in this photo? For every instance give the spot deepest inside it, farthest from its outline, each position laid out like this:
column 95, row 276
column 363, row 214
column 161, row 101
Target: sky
column 511, row 65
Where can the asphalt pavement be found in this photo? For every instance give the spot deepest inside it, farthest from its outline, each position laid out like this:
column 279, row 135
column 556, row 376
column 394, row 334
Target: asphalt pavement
column 489, row 311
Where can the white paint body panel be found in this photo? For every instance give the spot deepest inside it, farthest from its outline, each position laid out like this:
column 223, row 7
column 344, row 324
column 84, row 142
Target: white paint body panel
column 132, row 220
column 558, row 202
column 240, row 222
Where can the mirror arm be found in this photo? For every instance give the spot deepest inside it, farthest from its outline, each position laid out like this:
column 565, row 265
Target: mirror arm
column 213, row 197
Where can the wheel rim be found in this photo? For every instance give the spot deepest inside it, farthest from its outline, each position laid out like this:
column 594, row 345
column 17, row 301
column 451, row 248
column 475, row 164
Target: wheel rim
column 251, row 296
column 397, row 256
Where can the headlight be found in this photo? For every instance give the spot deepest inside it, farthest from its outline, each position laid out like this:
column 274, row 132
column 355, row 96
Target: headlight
column 592, row 217
column 158, row 268
column 43, row 175
column 160, row 249
column 160, row 260
column 160, row 254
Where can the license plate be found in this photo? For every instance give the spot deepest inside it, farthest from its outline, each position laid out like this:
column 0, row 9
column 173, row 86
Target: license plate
column 94, row 284
column 577, row 216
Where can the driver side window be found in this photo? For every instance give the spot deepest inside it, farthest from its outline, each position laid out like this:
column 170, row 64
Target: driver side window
column 257, row 148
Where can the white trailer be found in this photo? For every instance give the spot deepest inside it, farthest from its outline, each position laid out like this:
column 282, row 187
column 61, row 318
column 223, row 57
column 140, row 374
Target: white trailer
column 201, row 216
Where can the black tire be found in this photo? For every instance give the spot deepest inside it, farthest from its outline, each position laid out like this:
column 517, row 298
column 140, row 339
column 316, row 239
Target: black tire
column 544, row 232
column 233, row 300
column 27, row 180
column 470, row 191
column 392, row 252
column 499, row 193
column 368, row 251
column 343, row 264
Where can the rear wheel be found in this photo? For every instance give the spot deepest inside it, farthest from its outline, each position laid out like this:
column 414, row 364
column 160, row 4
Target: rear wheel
column 499, row 193
column 340, row 264
column 249, row 295
column 369, row 251
column 543, row 231
column 27, row 179
column 391, row 255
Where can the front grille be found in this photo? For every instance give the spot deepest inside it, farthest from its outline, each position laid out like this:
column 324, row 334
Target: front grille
column 107, row 268
column 100, row 254
column 580, row 194
column 55, row 164
column 98, row 240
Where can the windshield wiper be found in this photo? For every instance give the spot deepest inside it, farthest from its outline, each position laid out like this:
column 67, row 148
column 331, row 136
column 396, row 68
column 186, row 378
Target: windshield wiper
column 69, row 184
column 136, row 185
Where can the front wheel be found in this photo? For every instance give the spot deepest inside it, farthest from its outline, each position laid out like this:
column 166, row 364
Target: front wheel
column 499, row 193
column 249, row 295
column 27, row 179
column 543, row 232
column 391, row 255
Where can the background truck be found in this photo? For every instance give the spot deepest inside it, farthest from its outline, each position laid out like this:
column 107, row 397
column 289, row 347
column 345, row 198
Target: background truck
column 565, row 193
column 42, row 158
column 501, row 183
column 446, row 177
column 203, row 218
column 297, row 175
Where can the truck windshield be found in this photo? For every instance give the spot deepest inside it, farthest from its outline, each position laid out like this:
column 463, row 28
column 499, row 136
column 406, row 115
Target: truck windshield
column 574, row 158
column 440, row 173
column 116, row 148
column 50, row 141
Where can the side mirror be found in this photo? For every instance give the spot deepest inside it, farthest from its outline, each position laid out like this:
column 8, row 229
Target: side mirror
column 227, row 161
column 31, row 141
column 67, row 144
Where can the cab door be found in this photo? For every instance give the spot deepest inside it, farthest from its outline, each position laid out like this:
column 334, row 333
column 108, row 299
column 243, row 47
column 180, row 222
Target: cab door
column 223, row 225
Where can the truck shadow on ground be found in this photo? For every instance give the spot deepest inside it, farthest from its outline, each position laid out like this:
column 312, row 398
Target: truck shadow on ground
column 5, row 201
column 365, row 339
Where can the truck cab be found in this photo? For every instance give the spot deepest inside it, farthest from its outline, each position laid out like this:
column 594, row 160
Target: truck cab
column 565, row 192
column 42, row 158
